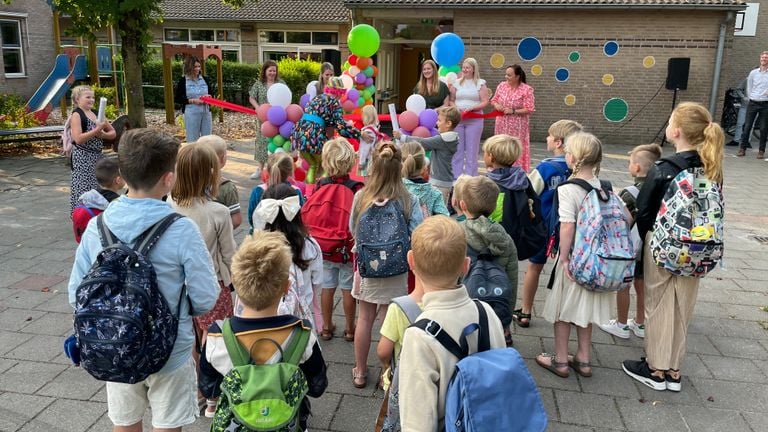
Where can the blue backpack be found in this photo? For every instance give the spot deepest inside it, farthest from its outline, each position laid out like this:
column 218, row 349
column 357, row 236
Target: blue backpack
column 485, row 381
column 123, row 325
column 383, row 239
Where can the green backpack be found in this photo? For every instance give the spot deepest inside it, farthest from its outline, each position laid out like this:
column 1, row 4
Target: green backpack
column 262, row 397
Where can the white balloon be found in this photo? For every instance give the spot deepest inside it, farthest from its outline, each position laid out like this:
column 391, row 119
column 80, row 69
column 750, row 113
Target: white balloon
column 348, row 82
column 416, row 103
column 279, row 94
column 451, row 78
column 353, row 70
column 443, row 79
column 312, row 89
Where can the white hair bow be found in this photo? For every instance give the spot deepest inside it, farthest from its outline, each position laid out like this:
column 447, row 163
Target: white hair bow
column 268, row 208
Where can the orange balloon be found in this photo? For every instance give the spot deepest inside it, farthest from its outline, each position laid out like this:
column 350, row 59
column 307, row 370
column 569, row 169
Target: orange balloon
column 369, row 102
column 375, row 71
column 370, row 61
column 362, row 62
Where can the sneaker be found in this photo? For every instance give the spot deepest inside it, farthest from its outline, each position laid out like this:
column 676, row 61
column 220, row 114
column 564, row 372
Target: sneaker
column 640, row 371
column 256, row 174
column 637, row 329
column 615, row 328
column 673, row 384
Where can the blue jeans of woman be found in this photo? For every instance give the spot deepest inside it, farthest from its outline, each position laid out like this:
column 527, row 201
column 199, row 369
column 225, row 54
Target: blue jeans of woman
column 197, row 121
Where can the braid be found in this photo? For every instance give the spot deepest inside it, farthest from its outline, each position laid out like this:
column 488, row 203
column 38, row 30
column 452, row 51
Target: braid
column 576, row 168
column 597, row 169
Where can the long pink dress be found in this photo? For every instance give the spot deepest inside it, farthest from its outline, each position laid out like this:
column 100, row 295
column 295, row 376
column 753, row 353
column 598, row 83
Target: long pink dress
column 516, row 125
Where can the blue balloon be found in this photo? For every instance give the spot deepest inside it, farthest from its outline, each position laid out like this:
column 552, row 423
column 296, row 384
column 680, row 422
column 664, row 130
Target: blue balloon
column 447, row 49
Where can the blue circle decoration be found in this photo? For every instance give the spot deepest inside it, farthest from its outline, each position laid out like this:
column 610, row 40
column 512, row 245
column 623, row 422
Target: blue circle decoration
column 529, row 48
column 611, row 48
column 562, row 74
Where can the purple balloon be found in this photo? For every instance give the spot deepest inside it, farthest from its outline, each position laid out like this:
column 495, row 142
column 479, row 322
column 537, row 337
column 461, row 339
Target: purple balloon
column 368, row 82
column 434, row 131
column 286, row 129
column 353, row 95
column 276, row 115
column 360, row 78
column 304, row 100
column 428, row 118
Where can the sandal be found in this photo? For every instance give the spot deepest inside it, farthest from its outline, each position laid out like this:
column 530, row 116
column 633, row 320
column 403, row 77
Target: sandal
column 349, row 335
column 553, row 366
column 579, row 367
column 327, row 333
column 359, row 379
column 519, row 316
column 210, row 408
column 508, row 338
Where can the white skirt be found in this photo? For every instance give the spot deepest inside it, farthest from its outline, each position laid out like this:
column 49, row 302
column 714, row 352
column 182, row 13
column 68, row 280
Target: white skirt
column 571, row 302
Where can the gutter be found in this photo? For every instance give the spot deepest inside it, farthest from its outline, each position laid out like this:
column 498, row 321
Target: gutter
column 713, row 95
column 718, row 7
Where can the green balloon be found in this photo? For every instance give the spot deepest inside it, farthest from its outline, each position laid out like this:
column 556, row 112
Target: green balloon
column 345, row 66
column 371, row 89
column 363, row 40
column 271, row 147
column 361, row 102
column 278, row 140
column 368, row 71
column 287, row 146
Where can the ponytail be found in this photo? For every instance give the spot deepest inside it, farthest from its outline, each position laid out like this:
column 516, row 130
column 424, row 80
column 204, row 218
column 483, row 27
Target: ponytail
column 280, row 167
column 695, row 123
column 711, row 152
column 413, row 159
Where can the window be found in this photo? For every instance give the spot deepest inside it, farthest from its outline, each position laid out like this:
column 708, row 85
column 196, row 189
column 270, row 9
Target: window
column 325, row 38
column 272, row 36
column 298, row 37
column 228, row 35
column 13, row 53
column 230, row 55
column 201, row 35
column 278, row 44
column 177, row 35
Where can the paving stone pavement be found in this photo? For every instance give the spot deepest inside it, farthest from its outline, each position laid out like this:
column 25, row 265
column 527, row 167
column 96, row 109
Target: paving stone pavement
column 725, row 371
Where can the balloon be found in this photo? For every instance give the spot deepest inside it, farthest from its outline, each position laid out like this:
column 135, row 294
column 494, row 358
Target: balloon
column 353, row 71
column 304, row 100
column 294, row 112
column 348, row 82
column 279, row 94
column 286, row 129
column 276, row 115
column 299, row 174
column 447, row 49
column 408, row 120
column 271, row 147
column 361, row 102
column 278, row 140
column 415, row 103
column 363, row 40
column 428, row 118
column 421, row 132
column 366, row 94
column 368, row 72
column 362, row 63
column 352, row 60
column 353, row 95
column 312, row 89
column 375, row 71
column 369, row 102
column 345, row 66
column 287, row 147
column 268, row 129
column 304, row 165
column 261, row 112
column 368, row 82
column 360, row 78
column 434, row 131
column 451, row 78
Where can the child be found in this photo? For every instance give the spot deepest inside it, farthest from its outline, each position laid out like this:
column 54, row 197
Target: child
column 641, row 158
column 477, row 201
column 438, row 258
column 369, row 136
column 429, row 196
column 180, row 258
column 96, row 200
column 384, row 185
column 443, row 147
column 670, row 299
column 260, row 270
column 280, row 168
column 227, row 189
column 545, row 178
column 570, row 303
column 457, row 194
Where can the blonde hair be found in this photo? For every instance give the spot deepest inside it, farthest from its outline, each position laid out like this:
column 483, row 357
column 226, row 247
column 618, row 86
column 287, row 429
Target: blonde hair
column 695, row 123
column 197, row 174
column 338, row 157
column 385, row 181
column 645, row 155
column 504, row 149
column 479, row 194
column 77, row 92
column 422, row 87
column 439, row 248
column 458, row 190
column 451, row 114
column 369, row 114
column 280, row 167
column 260, row 269
column 217, row 143
column 586, row 150
column 414, row 158
column 475, row 70
column 562, row 129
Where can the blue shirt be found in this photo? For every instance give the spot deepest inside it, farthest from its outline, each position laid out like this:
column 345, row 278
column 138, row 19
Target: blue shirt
column 545, row 178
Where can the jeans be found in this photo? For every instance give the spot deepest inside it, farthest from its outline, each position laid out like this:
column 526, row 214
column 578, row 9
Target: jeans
column 197, row 121
column 755, row 108
column 740, row 119
column 467, row 151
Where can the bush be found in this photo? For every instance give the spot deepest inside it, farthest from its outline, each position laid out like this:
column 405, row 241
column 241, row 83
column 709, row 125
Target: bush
column 297, row 74
column 13, row 112
column 110, row 93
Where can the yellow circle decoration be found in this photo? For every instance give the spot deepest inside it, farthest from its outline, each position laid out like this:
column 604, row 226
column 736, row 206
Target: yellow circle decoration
column 536, row 70
column 497, row 60
column 649, row 62
column 608, row 79
column 570, row 100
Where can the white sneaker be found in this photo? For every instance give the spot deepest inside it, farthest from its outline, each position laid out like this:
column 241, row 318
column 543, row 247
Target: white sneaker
column 637, row 329
column 256, row 174
column 613, row 327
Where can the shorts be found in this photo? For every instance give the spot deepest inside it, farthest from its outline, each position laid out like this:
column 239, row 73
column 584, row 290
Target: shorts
column 172, row 396
column 540, row 257
column 337, row 275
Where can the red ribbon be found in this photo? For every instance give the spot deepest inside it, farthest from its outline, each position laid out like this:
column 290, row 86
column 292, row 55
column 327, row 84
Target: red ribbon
column 228, row 105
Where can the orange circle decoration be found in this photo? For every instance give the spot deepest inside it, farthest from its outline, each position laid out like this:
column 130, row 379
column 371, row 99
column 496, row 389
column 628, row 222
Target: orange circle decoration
column 497, row 60
column 570, row 100
column 536, row 70
column 649, row 62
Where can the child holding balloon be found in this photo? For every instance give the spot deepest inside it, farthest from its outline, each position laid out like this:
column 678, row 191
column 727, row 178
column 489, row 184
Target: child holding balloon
column 369, row 136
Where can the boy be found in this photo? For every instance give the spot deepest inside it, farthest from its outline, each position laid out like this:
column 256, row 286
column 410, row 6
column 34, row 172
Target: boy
column 260, row 273
column 443, row 147
column 227, row 189
column 477, row 201
column 147, row 160
column 438, row 258
column 96, row 200
column 545, row 178
column 641, row 158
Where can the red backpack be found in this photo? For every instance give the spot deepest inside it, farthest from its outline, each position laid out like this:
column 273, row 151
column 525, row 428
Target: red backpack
column 326, row 216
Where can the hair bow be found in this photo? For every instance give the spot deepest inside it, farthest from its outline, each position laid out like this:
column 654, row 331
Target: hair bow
column 268, row 208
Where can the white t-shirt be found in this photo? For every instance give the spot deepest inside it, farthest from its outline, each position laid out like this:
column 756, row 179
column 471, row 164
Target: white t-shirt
column 468, row 93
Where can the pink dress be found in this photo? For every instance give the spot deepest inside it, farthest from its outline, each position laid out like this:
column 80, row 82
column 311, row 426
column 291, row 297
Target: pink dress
column 516, row 125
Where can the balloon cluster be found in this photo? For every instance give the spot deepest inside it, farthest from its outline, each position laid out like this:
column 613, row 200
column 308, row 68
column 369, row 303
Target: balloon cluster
column 278, row 117
column 447, row 51
column 417, row 120
column 359, row 70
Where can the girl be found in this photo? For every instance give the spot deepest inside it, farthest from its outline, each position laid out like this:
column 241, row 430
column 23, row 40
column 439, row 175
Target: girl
column 280, row 167
column 430, row 198
column 197, row 175
column 189, row 89
column 435, row 92
column 375, row 293
column 570, row 303
column 670, row 299
column 326, row 73
column 87, row 143
column 369, row 136
column 257, row 96
column 470, row 95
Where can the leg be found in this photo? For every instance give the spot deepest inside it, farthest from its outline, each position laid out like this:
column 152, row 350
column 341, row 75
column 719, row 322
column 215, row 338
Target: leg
column 472, row 146
column 350, row 308
column 622, row 306
column 659, row 312
column 206, row 123
column 192, row 119
column 741, row 118
column 686, row 291
column 363, row 342
column 580, row 362
column 557, row 363
column 640, row 301
column 316, row 311
column 752, row 111
column 531, row 285
column 763, row 124
column 326, row 300
column 133, row 428
column 457, row 162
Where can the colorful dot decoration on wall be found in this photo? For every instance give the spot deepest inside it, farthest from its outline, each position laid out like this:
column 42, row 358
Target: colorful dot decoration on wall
column 529, row 48
column 611, row 48
column 649, row 62
column 608, row 79
column 615, row 110
column 574, row 57
column 570, row 100
column 497, row 60
column 536, row 70
column 562, row 74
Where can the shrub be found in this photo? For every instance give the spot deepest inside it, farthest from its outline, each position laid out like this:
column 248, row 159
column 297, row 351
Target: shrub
column 13, row 112
column 297, row 74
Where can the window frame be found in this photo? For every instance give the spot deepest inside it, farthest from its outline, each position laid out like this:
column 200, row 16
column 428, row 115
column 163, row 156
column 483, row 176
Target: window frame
column 301, row 49
column 20, row 48
column 224, row 44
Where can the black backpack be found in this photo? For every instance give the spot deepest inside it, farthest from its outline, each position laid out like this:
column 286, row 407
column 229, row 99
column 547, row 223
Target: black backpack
column 523, row 221
column 124, row 327
column 487, row 281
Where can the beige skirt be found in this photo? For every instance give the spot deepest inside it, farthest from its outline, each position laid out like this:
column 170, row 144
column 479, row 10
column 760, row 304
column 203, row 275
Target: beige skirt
column 379, row 290
column 571, row 302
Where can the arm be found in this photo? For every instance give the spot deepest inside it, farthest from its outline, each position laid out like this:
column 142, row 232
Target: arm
column 202, row 282
column 237, row 219
column 648, row 202
column 226, row 239
column 529, row 102
column 496, row 100
column 180, row 96
column 85, row 256
column 484, row 99
column 108, row 132
column 419, row 377
column 253, row 95
column 440, row 207
column 567, row 233
column 416, row 216
column 78, row 134
column 431, row 143
column 340, row 124
column 537, row 181
column 209, row 379
column 384, row 350
column 749, row 84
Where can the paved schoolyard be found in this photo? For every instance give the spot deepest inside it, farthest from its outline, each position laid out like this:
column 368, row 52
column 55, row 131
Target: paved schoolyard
column 725, row 385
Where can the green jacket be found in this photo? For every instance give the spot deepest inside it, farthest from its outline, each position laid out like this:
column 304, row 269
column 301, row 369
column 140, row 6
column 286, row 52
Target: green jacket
column 483, row 234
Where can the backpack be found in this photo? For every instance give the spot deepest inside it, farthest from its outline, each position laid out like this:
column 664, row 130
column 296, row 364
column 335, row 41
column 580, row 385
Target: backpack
column 603, row 256
column 486, row 280
column 523, row 221
column 262, row 397
column 383, row 240
column 123, row 324
column 687, row 237
column 326, row 216
column 67, row 143
column 485, row 381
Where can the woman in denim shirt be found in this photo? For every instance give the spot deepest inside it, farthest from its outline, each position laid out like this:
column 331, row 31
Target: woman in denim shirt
column 189, row 89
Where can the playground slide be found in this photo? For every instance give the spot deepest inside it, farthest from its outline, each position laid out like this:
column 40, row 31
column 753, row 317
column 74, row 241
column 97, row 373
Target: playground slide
column 56, row 85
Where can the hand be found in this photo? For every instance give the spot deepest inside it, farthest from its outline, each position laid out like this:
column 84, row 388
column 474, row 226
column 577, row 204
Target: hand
column 565, row 263
column 100, row 126
column 396, row 134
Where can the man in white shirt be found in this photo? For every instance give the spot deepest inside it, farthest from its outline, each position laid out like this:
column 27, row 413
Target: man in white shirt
column 757, row 91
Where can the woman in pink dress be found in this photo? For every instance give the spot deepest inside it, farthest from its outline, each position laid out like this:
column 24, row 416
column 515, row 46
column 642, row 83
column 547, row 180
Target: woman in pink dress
column 515, row 99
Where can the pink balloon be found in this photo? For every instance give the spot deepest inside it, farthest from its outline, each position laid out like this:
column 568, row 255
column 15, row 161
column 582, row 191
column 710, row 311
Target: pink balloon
column 304, row 165
column 268, row 129
column 422, row 132
column 294, row 112
column 348, row 105
column 408, row 120
column 261, row 112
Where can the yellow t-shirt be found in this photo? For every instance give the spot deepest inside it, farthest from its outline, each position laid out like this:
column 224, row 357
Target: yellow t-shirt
column 394, row 325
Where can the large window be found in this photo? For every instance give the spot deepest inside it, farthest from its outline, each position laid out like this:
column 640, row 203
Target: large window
column 227, row 39
column 13, row 51
column 278, row 44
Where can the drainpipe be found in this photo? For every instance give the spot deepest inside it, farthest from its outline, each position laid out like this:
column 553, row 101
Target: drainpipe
column 713, row 96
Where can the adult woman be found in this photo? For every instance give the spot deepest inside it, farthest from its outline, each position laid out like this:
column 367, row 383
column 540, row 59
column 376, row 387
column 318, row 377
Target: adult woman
column 469, row 94
column 258, row 95
column 435, row 92
column 515, row 99
column 189, row 89
column 326, row 72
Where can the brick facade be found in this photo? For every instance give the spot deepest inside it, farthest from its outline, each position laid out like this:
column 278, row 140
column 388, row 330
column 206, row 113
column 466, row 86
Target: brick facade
column 745, row 50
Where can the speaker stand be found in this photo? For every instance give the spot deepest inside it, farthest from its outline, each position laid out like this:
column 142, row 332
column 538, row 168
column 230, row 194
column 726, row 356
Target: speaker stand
column 674, row 103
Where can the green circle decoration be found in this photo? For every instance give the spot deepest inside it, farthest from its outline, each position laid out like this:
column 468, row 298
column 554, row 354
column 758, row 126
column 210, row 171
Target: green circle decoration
column 615, row 110
column 574, row 57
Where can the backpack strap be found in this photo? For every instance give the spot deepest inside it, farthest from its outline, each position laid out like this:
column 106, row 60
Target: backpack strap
column 605, row 187
column 148, row 238
column 408, row 306
column 353, row 185
column 236, row 352
column 105, row 235
column 240, row 357
column 434, row 329
column 300, row 338
column 633, row 190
